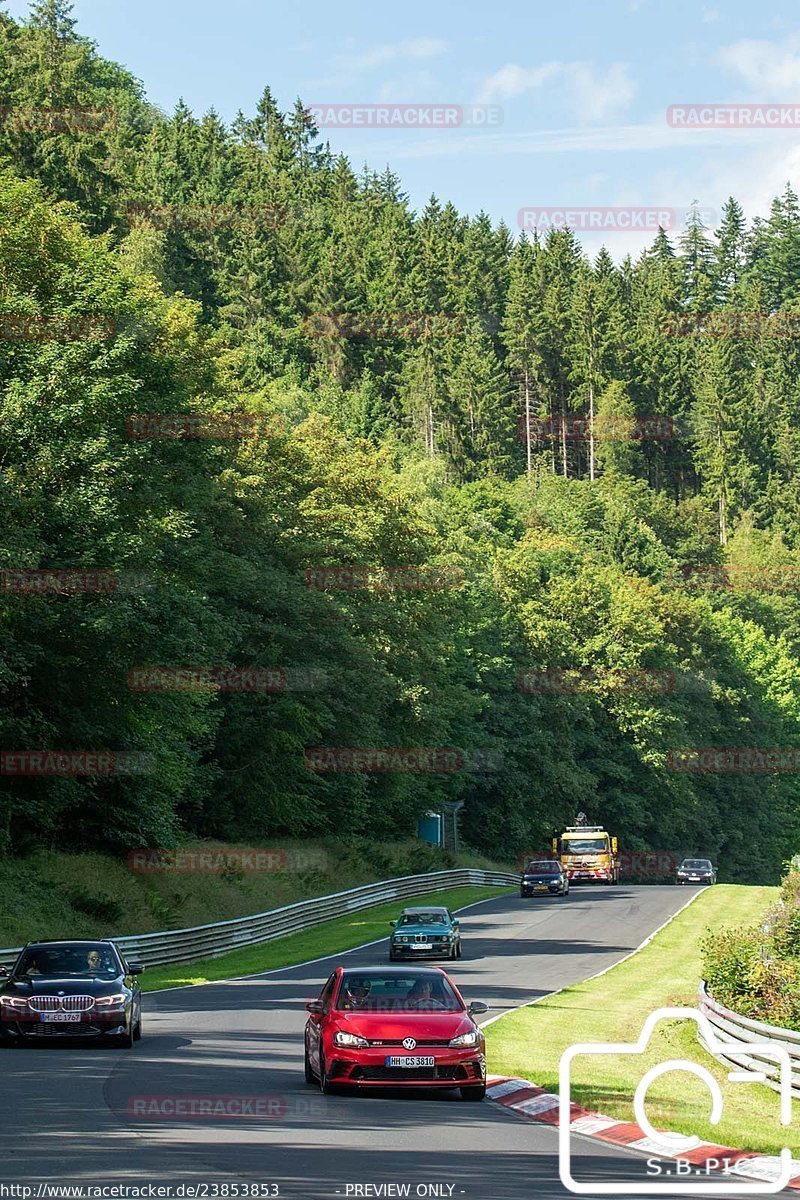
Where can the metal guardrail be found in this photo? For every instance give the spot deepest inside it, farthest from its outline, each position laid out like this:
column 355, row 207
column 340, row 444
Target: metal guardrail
column 731, row 1028
column 220, row 937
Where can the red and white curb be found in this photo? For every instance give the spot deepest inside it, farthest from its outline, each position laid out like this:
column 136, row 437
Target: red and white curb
column 536, row 1104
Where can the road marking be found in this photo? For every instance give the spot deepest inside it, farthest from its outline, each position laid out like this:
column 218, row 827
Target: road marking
column 597, row 974
column 309, row 962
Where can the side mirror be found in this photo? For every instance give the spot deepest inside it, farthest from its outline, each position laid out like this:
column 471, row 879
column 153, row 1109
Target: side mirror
column 315, row 1007
column 393, row 924
column 4, row 971
column 455, row 924
column 477, row 1007
column 135, row 968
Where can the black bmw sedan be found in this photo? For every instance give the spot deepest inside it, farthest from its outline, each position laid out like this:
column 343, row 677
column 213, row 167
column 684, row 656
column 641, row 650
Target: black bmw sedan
column 544, row 878
column 71, row 989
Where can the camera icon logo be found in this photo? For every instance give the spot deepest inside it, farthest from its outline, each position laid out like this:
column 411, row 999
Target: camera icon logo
column 673, row 1145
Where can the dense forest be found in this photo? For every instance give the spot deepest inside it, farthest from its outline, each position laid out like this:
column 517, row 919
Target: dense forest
column 601, row 492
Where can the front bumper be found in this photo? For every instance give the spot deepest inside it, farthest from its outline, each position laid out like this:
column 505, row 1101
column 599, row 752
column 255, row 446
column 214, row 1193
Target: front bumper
column 367, row 1068
column 533, row 889
column 32, row 1028
column 432, row 950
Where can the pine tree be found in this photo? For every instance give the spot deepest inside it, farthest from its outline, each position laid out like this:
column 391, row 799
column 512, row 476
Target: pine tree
column 55, row 27
column 731, row 250
column 597, row 336
column 480, row 424
column 697, row 262
column 519, row 333
column 558, row 264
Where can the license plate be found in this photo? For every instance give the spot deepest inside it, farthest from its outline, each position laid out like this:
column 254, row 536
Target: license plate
column 420, row 945
column 60, row 1016
column 541, row 887
column 410, row 1060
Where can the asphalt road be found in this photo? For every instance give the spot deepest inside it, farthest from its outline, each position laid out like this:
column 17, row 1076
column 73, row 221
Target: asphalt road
column 97, row 1115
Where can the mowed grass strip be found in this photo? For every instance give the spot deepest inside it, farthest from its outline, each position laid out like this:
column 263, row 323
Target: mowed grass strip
column 614, row 1007
column 331, row 937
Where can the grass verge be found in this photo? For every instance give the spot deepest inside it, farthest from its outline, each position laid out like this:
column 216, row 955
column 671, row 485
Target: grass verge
column 613, row 1008
column 55, row 895
column 342, row 933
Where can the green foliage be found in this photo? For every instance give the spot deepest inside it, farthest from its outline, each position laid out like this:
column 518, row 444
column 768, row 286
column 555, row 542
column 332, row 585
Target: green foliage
column 755, row 971
column 215, row 252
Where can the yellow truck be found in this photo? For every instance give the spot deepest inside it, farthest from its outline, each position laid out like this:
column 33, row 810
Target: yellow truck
column 588, row 853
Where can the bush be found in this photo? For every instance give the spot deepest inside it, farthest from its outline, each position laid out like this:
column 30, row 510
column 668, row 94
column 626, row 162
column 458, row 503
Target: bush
column 101, row 907
column 756, row 971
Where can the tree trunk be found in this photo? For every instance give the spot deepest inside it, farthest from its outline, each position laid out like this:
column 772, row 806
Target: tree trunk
column 591, row 431
column 528, row 420
column 723, row 523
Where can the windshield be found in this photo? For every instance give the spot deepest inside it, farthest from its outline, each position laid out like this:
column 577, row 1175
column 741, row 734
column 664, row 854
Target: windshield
column 584, row 845
column 423, row 918
column 83, row 960
column 696, row 864
column 547, row 867
column 396, row 993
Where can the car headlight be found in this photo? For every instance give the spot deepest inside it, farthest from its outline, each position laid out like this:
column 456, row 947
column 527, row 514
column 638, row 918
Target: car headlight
column 350, row 1040
column 16, row 1002
column 111, row 1003
column 467, row 1039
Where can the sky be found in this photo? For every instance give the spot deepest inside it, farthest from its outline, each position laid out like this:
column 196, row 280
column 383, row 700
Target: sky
column 562, row 106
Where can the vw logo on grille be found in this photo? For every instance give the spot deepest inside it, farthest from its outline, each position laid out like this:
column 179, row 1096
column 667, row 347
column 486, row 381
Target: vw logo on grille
column 409, row 1043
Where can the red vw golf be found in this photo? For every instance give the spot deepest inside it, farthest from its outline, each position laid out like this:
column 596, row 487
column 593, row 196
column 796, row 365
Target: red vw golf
column 394, row 1027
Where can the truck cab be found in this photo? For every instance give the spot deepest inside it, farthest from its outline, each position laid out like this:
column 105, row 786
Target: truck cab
column 588, row 854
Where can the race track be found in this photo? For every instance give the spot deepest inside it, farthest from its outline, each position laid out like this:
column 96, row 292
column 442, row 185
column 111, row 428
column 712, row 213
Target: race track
column 73, row 1114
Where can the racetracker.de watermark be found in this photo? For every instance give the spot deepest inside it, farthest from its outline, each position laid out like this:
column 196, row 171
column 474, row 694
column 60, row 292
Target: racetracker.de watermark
column 60, row 327
column 382, row 579
column 602, row 429
column 56, row 120
column 76, row 762
column 633, row 864
column 199, row 679
column 203, row 425
column 557, row 681
column 42, row 581
column 267, row 1107
column 220, row 860
column 385, row 324
column 782, row 577
column 405, row 116
column 724, row 324
column 208, row 216
column 743, row 759
column 373, row 759
column 615, row 218
column 734, row 116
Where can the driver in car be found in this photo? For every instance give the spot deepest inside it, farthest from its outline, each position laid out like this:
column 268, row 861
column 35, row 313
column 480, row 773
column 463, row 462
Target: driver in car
column 421, row 992
column 356, row 993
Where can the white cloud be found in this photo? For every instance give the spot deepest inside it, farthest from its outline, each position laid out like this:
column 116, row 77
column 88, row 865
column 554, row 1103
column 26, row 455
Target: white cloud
column 512, row 80
column 597, row 95
column 601, row 96
column 411, row 83
column 411, row 50
column 349, row 65
column 771, row 69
